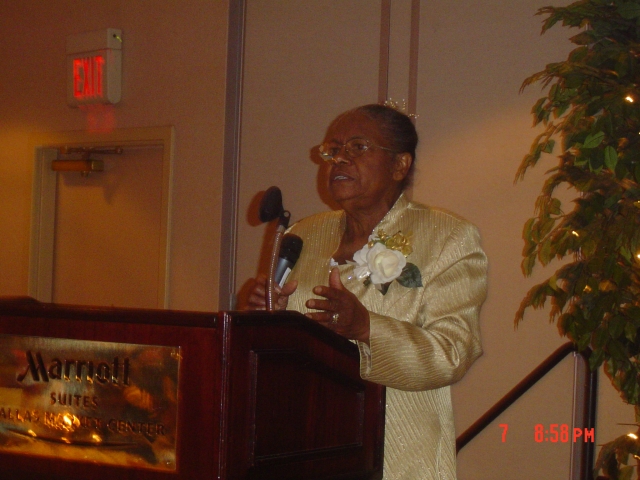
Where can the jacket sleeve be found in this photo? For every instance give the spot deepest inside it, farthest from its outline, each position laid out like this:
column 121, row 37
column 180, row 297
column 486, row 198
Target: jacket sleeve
column 436, row 348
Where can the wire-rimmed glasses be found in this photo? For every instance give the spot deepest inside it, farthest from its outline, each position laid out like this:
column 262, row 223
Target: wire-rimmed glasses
column 353, row 148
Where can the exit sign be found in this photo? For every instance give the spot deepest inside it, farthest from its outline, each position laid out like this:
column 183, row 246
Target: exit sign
column 94, row 63
column 88, row 78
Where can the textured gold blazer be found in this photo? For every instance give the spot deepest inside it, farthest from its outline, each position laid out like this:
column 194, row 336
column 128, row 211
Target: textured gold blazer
column 422, row 339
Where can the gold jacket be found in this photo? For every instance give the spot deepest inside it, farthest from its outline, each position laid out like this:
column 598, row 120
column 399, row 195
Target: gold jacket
column 422, row 339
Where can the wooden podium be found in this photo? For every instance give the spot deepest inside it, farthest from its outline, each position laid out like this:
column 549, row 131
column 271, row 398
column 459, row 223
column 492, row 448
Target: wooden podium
column 235, row 395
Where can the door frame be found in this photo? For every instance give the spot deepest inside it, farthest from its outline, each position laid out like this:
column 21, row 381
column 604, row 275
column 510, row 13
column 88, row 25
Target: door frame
column 43, row 198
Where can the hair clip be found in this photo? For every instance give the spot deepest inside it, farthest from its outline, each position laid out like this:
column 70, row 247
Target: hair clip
column 400, row 107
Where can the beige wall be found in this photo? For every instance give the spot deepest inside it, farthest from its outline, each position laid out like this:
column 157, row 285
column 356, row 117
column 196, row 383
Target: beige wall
column 305, row 65
column 475, row 128
column 174, row 56
column 295, row 81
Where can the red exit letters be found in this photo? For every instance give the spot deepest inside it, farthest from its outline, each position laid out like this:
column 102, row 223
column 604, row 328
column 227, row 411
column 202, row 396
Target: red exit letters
column 87, row 77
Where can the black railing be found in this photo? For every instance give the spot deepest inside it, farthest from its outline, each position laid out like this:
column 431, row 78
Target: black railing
column 584, row 407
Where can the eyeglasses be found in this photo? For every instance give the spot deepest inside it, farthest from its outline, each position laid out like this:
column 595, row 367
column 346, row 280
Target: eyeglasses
column 353, row 148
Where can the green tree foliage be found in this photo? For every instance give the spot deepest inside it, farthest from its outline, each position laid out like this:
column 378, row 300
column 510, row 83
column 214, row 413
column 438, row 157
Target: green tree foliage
column 591, row 114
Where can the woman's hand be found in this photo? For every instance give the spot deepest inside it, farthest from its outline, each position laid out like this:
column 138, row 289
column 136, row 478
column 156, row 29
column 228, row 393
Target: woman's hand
column 343, row 312
column 258, row 296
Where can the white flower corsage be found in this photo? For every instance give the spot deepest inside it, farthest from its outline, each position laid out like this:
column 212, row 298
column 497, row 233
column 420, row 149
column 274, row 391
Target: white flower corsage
column 383, row 260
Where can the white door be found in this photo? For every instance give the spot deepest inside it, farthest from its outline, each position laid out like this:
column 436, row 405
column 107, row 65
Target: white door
column 102, row 238
column 107, row 232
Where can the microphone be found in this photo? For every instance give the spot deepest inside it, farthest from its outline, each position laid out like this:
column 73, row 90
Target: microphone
column 290, row 249
column 271, row 207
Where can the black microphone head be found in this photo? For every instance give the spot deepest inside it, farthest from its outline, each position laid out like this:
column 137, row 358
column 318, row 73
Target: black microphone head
column 271, row 205
column 290, row 247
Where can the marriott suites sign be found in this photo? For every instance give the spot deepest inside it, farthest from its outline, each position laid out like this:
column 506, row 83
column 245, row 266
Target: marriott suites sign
column 89, row 400
column 83, row 370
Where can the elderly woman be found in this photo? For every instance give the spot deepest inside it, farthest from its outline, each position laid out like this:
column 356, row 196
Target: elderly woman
column 403, row 280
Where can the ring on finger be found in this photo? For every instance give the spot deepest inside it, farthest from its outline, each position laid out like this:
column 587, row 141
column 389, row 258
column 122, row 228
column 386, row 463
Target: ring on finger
column 334, row 318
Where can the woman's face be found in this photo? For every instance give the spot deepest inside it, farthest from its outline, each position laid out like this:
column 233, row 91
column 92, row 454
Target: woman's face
column 367, row 180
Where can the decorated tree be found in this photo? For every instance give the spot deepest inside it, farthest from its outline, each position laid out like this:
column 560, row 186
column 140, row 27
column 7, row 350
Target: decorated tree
column 590, row 117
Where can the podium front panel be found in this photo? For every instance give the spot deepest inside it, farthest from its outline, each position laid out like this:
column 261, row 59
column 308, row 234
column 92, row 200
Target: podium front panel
column 132, row 450
column 298, row 408
column 154, row 394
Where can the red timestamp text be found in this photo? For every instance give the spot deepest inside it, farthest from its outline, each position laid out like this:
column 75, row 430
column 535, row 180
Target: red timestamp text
column 562, row 433
column 557, row 433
